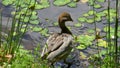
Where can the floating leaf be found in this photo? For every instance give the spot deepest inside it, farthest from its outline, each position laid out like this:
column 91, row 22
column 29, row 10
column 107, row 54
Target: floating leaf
column 82, row 56
column 91, row 2
column 61, row 2
column 81, row 47
column 78, row 25
column 22, row 30
column 86, row 15
column 81, row 19
column 91, row 31
column 97, row 6
column 35, row 22
column 72, row 4
column 91, row 12
column 101, row 0
column 26, row 19
column 44, row 32
column 33, row 17
column 55, row 23
column 102, row 43
column 39, row 6
column 37, row 29
column 90, row 20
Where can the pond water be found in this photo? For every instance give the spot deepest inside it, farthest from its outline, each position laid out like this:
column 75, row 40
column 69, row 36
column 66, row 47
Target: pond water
column 31, row 39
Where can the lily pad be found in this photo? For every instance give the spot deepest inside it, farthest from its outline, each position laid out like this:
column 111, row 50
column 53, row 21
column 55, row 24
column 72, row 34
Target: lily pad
column 91, row 12
column 97, row 6
column 35, row 22
column 78, row 25
column 72, row 4
column 90, row 20
column 101, row 0
column 81, row 19
column 37, row 29
column 86, row 15
column 61, row 2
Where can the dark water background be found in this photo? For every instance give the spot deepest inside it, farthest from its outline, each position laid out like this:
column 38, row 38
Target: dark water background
column 31, row 39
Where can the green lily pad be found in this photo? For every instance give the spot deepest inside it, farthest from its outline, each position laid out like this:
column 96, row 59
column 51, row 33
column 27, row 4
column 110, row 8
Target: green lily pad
column 55, row 23
column 81, row 19
column 37, row 29
column 61, row 2
column 78, row 25
column 81, row 47
column 26, row 19
column 97, row 6
column 90, row 20
column 35, row 22
column 33, row 17
column 91, row 12
column 72, row 4
column 102, row 43
column 44, row 32
column 86, row 15
column 101, row 0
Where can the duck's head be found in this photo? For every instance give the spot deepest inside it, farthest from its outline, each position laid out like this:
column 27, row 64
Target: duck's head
column 63, row 17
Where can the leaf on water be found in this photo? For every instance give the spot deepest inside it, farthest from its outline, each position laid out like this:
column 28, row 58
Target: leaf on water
column 78, row 25
column 97, row 6
column 81, row 19
column 81, row 47
column 33, row 17
column 55, row 23
column 61, row 2
column 37, row 29
column 72, row 4
column 26, row 19
column 102, row 43
column 82, row 56
column 90, row 20
column 101, row 0
column 91, row 12
column 86, row 15
column 35, row 22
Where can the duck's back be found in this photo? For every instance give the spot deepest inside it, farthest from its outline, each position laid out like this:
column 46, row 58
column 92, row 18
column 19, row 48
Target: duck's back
column 58, row 46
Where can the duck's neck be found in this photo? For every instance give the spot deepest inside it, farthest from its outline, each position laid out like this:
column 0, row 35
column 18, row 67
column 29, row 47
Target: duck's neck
column 63, row 27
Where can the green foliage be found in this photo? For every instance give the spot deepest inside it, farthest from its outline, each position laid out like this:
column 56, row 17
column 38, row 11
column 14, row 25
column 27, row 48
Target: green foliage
column 97, row 6
column 78, row 25
column 72, row 4
column 82, row 39
column 23, row 59
column 61, row 2
column 112, row 30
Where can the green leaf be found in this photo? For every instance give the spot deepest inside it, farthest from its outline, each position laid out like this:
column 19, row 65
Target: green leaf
column 81, row 47
column 37, row 29
column 91, row 12
column 44, row 32
column 97, row 6
column 101, row 0
column 35, row 22
column 81, row 19
column 61, row 2
column 90, row 20
column 55, row 23
column 78, row 25
column 86, row 15
column 72, row 4
column 26, row 19
column 33, row 17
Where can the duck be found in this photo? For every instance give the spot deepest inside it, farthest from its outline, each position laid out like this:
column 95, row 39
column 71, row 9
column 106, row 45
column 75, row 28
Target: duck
column 59, row 45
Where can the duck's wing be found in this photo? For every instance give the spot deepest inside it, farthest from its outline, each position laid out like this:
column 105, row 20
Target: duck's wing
column 63, row 50
column 53, row 42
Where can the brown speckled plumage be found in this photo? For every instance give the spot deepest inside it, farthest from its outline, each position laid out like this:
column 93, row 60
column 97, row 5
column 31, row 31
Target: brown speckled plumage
column 58, row 45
